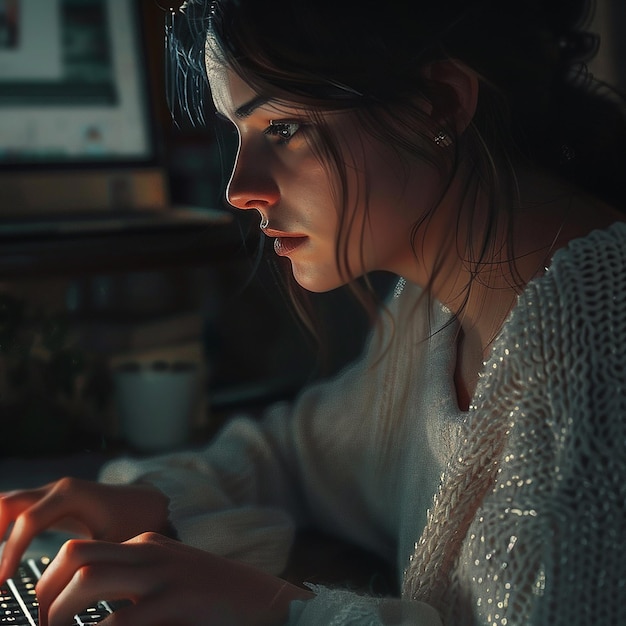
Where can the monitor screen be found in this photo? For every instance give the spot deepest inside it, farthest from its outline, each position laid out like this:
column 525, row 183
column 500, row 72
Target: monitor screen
column 72, row 83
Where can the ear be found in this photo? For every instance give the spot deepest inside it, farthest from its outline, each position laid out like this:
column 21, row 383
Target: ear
column 459, row 92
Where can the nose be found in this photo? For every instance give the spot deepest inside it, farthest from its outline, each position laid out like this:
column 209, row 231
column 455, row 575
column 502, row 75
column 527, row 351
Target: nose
column 251, row 184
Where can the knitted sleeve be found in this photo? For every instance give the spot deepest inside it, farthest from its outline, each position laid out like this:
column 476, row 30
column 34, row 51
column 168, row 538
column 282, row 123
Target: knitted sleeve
column 538, row 492
column 571, row 447
column 344, row 608
column 243, row 495
column 306, row 463
column 527, row 528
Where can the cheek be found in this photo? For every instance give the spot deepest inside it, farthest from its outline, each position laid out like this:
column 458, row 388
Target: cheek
column 380, row 193
column 395, row 195
column 311, row 189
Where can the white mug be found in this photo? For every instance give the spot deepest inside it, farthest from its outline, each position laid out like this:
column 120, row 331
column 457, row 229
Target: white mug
column 155, row 404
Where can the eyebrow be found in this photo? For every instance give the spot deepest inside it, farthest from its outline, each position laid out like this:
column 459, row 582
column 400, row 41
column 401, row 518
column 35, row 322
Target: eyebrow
column 247, row 109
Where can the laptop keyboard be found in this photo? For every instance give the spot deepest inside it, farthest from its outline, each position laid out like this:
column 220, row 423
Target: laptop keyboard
column 18, row 602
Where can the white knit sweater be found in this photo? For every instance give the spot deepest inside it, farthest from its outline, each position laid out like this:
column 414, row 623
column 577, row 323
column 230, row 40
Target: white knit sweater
column 527, row 521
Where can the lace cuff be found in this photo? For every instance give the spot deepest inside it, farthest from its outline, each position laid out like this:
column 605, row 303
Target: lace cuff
column 337, row 607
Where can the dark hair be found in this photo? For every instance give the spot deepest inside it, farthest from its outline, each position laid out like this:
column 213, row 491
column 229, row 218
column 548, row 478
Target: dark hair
column 537, row 102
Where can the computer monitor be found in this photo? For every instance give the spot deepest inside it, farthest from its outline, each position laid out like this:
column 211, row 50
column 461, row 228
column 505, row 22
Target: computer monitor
column 76, row 126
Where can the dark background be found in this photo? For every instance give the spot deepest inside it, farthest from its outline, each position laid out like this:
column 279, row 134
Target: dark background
column 252, row 348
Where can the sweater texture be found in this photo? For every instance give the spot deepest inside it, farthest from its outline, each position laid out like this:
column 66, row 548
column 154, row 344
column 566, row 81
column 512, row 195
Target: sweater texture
column 511, row 513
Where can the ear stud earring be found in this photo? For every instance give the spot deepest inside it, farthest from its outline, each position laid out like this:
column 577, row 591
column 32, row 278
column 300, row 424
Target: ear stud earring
column 442, row 139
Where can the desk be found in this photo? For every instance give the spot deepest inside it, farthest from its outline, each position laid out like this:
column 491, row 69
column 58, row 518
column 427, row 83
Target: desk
column 70, row 255
column 120, row 294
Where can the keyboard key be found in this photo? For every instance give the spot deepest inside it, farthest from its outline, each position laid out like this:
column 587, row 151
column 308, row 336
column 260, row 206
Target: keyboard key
column 19, row 605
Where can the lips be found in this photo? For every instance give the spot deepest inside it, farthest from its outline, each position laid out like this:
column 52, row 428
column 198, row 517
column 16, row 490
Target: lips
column 283, row 246
column 285, row 242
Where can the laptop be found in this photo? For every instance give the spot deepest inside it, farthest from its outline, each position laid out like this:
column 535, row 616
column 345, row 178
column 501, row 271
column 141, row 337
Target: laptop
column 79, row 148
column 18, row 601
column 19, row 605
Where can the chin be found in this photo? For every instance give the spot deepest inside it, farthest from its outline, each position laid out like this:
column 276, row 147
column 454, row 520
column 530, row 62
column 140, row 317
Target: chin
column 318, row 281
column 320, row 286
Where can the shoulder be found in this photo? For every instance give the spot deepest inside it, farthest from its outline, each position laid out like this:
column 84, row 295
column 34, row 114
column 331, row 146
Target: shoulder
column 593, row 262
column 564, row 343
column 567, row 333
column 583, row 291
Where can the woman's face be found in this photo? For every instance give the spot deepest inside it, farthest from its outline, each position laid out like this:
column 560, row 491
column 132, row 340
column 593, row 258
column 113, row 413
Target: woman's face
column 278, row 173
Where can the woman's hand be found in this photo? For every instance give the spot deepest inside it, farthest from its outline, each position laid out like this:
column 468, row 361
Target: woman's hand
column 107, row 512
column 167, row 582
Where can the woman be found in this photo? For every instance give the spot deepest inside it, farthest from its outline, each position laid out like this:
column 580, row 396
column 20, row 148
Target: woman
column 479, row 442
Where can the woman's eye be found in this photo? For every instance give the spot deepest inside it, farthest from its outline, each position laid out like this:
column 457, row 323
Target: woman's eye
column 283, row 130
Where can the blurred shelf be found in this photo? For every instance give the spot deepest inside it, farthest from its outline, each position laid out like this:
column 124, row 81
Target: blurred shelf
column 73, row 255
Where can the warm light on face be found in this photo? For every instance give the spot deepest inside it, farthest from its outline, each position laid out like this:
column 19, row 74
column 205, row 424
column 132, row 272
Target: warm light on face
column 279, row 173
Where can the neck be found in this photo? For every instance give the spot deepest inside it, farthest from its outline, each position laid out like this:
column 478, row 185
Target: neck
column 480, row 281
column 482, row 294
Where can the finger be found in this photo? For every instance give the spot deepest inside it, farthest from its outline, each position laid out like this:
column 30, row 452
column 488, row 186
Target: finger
column 12, row 503
column 23, row 532
column 66, row 499
column 90, row 585
column 36, row 510
column 12, row 507
column 85, row 571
